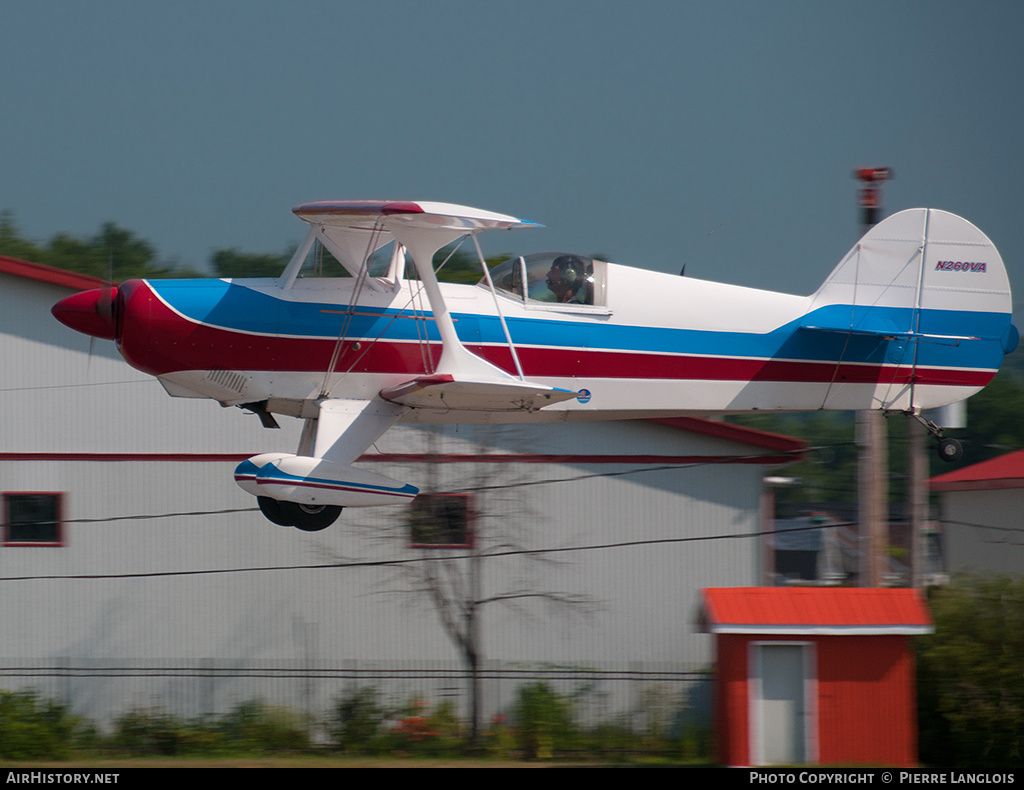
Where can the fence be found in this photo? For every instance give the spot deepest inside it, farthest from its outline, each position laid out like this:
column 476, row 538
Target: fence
column 639, row 697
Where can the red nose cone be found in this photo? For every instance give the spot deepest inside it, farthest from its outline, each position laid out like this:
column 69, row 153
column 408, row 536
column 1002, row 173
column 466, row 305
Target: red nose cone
column 89, row 312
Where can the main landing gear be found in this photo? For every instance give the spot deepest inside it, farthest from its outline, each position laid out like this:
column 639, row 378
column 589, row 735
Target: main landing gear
column 949, row 449
column 308, row 518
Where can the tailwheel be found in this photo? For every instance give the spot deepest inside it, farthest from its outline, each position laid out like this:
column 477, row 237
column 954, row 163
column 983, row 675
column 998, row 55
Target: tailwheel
column 309, row 518
column 950, row 450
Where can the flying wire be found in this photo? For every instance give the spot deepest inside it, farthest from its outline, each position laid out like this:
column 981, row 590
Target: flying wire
column 364, row 272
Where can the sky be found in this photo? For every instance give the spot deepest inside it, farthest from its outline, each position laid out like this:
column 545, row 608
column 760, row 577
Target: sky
column 721, row 135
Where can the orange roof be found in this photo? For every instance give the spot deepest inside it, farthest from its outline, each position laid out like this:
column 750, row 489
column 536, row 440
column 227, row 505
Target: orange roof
column 814, row 610
column 1006, row 471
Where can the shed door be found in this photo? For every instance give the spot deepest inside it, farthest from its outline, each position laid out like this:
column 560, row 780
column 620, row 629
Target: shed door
column 781, row 718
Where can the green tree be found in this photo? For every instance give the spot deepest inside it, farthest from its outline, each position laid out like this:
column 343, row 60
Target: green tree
column 113, row 253
column 995, row 425
column 995, row 420
column 971, row 675
column 232, row 263
column 463, row 266
column 828, row 472
column 13, row 245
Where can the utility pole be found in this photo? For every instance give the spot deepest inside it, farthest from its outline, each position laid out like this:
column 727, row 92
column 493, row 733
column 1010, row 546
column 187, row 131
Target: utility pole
column 917, row 499
column 872, row 464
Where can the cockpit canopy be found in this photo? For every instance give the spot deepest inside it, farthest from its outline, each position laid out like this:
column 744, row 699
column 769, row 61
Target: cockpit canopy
column 553, row 277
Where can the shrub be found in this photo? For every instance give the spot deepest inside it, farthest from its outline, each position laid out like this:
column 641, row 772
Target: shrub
column 358, row 719
column 423, row 730
column 254, row 725
column 543, row 719
column 251, row 726
column 34, row 728
column 147, row 731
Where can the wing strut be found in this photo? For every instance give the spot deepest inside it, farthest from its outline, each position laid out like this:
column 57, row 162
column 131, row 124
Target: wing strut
column 422, row 243
column 462, row 380
column 497, row 306
column 361, row 279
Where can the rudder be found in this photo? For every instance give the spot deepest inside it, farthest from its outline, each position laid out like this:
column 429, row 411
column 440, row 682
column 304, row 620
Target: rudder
column 932, row 287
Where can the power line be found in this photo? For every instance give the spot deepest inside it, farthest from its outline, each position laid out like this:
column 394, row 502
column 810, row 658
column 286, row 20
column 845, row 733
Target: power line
column 521, row 484
column 349, row 564
column 140, row 517
column 394, row 562
column 725, row 459
column 72, row 386
column 981, row 526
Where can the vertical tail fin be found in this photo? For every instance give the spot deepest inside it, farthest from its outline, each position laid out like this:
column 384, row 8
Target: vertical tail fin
column 932, row 291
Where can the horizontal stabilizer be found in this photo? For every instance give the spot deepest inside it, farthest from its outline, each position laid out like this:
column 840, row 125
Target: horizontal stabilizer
column 892, row 333
column 475, row 394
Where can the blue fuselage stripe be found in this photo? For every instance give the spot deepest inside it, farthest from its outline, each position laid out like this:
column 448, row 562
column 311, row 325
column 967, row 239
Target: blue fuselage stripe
column 240, row 309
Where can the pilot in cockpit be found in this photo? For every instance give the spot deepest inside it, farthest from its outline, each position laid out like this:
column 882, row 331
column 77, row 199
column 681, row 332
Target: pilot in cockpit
column 568, row 280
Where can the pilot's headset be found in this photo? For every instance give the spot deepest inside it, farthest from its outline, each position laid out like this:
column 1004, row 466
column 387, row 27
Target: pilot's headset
column 570, row 268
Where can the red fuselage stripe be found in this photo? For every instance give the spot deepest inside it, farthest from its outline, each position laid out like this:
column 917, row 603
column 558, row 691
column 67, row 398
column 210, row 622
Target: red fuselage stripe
column 170, row 343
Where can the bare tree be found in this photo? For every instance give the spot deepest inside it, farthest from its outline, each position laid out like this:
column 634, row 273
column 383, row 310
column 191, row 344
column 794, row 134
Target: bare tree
column 462, row 530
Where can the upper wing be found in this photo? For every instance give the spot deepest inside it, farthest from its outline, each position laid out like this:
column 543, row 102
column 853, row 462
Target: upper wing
column 367, row 215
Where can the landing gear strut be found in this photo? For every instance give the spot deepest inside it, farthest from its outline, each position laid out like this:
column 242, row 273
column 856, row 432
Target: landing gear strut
column 949, row 449
column 308, row 518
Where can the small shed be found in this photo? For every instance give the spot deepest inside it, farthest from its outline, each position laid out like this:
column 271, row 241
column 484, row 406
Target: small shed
column 815, row 675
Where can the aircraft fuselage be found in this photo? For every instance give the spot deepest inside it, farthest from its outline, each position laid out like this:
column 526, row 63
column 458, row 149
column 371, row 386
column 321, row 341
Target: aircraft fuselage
column 662, row 345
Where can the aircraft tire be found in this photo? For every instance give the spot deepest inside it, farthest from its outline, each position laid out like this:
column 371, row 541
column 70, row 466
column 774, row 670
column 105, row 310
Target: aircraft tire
column 271, row 508
column 309, row 518
column 950, row 450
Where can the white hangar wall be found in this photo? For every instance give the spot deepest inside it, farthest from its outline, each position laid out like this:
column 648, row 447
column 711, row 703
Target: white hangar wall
column 981, row 506
column 62, row 392
column 975, row 530
column 639, row 598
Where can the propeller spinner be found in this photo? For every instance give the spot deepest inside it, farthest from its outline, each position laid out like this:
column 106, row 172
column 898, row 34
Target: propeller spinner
column 89, row 312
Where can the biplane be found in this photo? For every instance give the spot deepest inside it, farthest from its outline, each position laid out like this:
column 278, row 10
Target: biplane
column 917, row 315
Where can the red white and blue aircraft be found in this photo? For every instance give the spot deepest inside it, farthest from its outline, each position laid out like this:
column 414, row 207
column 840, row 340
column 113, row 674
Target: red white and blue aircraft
column 917, row 315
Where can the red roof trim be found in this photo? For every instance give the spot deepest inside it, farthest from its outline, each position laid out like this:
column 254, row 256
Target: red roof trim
column 49, row 274
column 1006, row 471
column 735, row 433
column 781, row 610
column 979, row 485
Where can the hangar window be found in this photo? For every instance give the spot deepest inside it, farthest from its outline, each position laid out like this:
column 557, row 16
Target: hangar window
column 441, row 521
column 33, row 519
column 553, row 278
